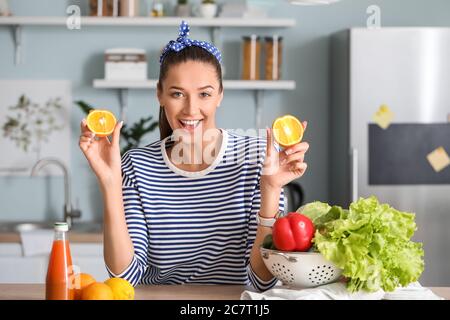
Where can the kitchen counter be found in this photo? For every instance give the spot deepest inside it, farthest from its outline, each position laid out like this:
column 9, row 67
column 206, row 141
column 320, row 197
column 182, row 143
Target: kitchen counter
column 158, row 292
column 81, row 231
column 74, row 237
column 149, row 292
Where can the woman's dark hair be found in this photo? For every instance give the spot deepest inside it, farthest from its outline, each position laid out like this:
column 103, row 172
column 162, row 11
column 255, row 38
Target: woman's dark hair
column 173, row 58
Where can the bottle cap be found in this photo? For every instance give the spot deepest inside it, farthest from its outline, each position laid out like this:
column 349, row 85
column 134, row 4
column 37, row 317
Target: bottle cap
column 61, row 226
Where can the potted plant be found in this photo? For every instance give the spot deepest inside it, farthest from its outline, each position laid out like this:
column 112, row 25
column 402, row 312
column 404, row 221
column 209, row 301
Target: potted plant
column 31, row 124
column 183, row 9
column 208, row 9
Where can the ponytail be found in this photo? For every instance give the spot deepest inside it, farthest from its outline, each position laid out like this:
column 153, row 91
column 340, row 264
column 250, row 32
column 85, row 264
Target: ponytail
column 164, row 127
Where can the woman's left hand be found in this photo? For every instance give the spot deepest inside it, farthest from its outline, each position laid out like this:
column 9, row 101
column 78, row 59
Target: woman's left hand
column 284, row 166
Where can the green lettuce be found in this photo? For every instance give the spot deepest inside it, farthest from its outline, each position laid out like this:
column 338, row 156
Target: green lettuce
column 370, row 242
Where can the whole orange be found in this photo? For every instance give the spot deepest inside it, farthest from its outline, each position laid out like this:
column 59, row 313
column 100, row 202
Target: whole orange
column 97, row 291
column 82, row 280
column 122, row 289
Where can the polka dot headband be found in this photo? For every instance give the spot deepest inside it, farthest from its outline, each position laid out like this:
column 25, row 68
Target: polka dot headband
column 183, row 41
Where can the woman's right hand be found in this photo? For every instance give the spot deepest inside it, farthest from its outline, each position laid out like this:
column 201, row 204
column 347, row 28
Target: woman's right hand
column 103, row 155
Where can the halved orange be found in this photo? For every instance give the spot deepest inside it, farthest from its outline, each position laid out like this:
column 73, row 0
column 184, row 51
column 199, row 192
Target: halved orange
column 287, row 130
column 101, row 122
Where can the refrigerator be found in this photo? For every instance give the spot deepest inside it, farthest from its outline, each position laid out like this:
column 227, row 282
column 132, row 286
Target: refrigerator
column 405, row 72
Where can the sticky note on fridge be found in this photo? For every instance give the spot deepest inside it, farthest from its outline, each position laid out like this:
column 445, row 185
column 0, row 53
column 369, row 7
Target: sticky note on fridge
column 383, row 117
column 438, row 159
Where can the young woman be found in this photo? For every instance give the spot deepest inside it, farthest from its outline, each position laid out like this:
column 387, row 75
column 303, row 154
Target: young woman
column 184, row 209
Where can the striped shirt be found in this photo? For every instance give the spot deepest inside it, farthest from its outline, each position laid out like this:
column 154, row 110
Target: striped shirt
column 194, row 227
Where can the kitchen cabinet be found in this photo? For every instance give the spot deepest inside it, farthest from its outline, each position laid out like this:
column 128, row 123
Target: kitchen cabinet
column 15, row 268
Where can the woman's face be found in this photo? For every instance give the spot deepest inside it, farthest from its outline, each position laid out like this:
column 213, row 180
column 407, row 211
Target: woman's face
column 190, row 96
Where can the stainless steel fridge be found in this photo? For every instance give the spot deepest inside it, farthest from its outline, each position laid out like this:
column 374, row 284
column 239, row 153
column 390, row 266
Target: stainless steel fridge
column 408, row 71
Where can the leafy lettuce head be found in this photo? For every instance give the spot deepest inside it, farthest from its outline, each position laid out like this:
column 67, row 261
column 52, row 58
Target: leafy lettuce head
column 370, row 242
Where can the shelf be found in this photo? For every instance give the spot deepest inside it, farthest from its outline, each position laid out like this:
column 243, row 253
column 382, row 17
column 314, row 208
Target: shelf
column 17, row 23
column 227, row 84
column 258, row 87
column 149, row 21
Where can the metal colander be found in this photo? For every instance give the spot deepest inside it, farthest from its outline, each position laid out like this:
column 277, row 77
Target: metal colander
column 300, row 269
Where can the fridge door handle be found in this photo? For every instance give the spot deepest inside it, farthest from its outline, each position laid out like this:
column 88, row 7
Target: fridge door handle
column 354, row 173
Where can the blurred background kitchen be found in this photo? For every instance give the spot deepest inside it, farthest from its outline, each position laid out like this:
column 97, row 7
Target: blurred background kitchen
column 54, row 66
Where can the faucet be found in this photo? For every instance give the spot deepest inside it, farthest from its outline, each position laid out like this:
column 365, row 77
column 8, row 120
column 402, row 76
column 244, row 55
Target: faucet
column 69, row 213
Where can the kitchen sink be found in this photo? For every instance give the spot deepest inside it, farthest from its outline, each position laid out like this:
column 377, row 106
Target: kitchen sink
column 80, row 227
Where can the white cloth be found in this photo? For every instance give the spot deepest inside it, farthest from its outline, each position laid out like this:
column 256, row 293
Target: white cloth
column 36, row 242
column 412, row 292
column 338, row 291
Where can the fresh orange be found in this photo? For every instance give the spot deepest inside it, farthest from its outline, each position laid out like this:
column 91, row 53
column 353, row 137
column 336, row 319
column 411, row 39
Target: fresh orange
column 122, row 289
column 101, row 122
column 287, row 130
column 97, row 291
column 82, row 280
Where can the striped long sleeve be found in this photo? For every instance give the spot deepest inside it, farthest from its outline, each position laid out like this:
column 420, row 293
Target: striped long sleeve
column 136, row 223
column 255, row 281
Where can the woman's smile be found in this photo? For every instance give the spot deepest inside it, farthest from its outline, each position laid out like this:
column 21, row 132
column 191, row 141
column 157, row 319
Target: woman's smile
column 189, row 125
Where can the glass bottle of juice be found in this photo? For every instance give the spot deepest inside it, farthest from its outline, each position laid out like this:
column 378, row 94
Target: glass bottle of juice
column 58, row 282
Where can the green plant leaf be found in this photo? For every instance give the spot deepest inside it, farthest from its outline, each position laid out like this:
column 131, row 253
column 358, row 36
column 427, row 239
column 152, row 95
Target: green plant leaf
column 85, row 107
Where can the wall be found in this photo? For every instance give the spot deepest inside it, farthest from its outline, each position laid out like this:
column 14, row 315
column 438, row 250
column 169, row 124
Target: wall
column 57, row 53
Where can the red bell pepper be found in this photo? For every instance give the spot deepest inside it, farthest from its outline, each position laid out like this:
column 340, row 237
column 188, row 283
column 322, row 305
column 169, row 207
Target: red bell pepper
column 293, row 232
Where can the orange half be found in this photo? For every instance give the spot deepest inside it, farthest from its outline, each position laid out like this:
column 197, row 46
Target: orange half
column 287, row 131
column 101, row 122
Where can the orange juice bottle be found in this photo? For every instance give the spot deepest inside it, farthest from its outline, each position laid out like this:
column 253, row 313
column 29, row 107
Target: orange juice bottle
column 58, row 282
